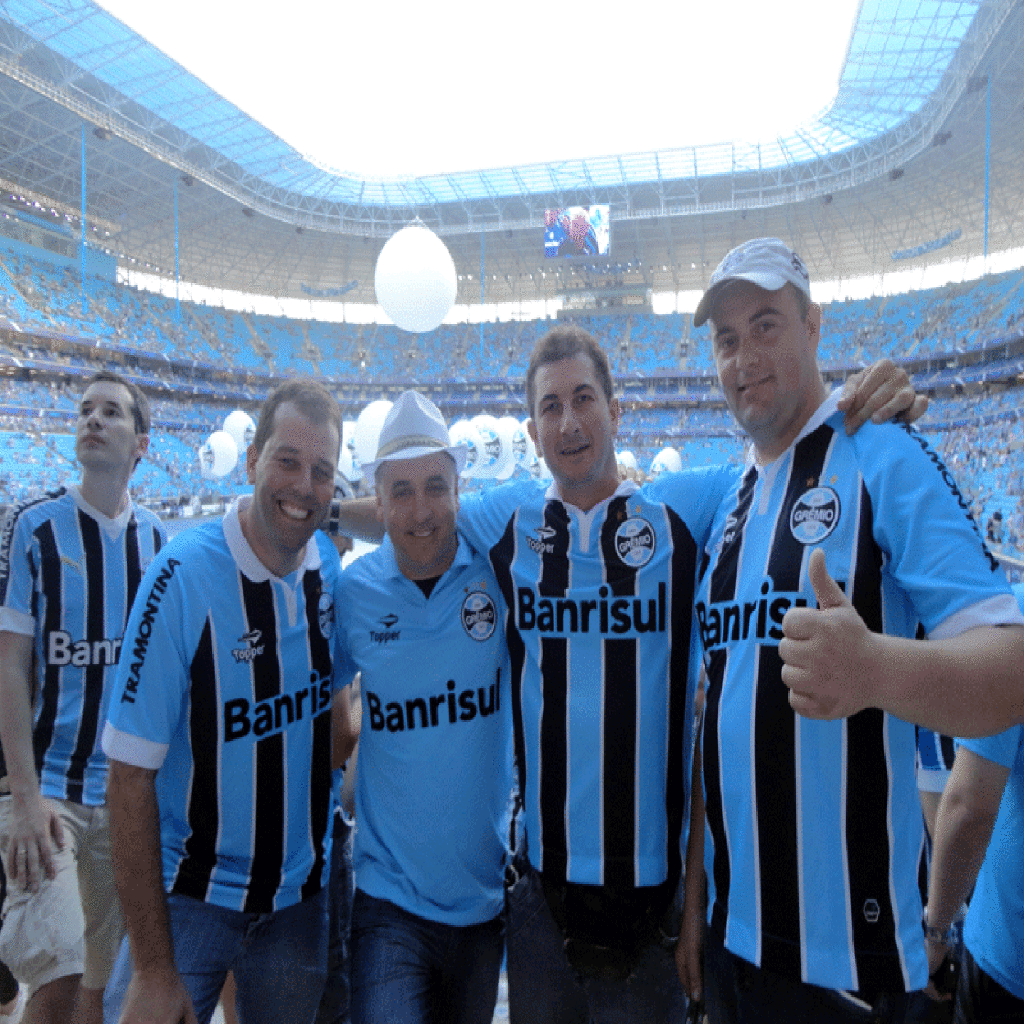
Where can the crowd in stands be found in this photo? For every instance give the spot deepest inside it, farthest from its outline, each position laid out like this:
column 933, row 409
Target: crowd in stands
column 50, row 329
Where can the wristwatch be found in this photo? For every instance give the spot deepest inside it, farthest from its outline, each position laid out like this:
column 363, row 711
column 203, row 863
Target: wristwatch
column 938, row 936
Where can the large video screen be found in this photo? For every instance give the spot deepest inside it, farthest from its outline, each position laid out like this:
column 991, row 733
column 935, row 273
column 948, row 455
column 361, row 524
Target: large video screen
column 576, row 231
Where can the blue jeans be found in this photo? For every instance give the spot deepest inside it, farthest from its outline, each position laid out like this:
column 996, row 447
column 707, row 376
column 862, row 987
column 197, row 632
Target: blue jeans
column 279, row 960
column 737, row 992
column 336, row 1000
column 544, row 989
column 408, row 970
column 979, row 997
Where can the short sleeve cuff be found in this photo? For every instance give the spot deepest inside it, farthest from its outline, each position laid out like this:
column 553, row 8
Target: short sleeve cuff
column 134, row 750
column 13, row 621
column 1000, row 610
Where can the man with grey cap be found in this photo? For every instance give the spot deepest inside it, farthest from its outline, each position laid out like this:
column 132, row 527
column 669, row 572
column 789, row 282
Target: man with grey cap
column 424, row 624
column 824, row 561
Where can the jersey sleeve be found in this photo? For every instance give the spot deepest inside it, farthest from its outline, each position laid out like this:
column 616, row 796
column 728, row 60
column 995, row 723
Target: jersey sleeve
column 1001, row 748
column 923, row 524
column 16, row 576
column 345, row 667
column 484, row 517
column 153, row 671
column 695, row 494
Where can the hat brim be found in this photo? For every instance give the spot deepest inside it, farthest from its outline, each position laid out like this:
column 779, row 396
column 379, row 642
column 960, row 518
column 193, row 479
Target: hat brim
column 458, row 452
column 767, row 280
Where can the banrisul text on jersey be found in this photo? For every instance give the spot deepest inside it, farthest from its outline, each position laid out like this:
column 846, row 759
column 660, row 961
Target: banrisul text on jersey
column 605, row 614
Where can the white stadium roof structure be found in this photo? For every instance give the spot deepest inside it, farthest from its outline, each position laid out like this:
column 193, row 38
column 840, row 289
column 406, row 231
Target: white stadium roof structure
column 920, row 159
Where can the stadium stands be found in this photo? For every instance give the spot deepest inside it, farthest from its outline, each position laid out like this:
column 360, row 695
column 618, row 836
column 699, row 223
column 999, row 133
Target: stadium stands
column 199, row 362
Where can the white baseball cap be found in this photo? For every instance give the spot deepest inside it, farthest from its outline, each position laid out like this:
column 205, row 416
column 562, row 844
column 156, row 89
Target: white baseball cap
column 767, row 262
column 413, row 427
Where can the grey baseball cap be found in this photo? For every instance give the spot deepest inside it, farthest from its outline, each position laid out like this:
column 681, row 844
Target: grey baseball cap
column 767, row 262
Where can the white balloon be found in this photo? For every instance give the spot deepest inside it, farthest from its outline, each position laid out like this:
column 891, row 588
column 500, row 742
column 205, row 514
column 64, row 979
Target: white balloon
column 367, row 430
column 666, row 461
column 524, row 452
column 348, row 464
column 507, row 426
column 490, row 452
column 218, row 456
column 626, row 459
column 415, row 279
column 463, row 432
column 240, row 426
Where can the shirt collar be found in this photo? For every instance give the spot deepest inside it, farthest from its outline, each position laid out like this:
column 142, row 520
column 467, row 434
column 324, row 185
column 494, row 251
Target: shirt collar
column 625, row 488
column 246, row 558
column 111, row 527
column 822, row 413
column 463, row 556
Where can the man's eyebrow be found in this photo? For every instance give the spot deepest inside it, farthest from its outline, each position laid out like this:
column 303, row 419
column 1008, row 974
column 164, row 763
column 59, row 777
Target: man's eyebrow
column 756, row 315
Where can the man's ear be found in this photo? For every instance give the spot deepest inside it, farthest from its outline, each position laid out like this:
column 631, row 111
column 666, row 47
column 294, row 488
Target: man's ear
column 813, row 322
column 531, row 429
column 252, row 456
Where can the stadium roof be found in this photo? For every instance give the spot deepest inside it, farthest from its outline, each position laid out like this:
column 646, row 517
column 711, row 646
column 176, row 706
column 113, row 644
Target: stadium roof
column 897, row 164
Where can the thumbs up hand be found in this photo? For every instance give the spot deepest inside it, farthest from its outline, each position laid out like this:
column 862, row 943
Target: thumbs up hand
column 828, row 651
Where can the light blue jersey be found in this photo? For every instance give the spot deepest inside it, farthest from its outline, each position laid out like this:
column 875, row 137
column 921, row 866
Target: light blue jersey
column 994, row 929
column 435, row 779
column 68, row 576
column 600, row 607
column 225, row 688
column 815, row 828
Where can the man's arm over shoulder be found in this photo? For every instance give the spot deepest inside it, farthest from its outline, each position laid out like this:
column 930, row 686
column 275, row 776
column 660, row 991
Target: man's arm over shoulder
column 354, row 517
column 484, row 516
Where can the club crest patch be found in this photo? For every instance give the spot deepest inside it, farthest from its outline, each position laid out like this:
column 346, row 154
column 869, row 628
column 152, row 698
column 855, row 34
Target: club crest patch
column 479, row 616
column 815, row 515
column 634, row 542
column 325, row 613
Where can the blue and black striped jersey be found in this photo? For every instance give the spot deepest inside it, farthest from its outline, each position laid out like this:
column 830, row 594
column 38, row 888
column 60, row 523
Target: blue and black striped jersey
column 68, row 576
column 815, row 827
column 600, row 611
column 225, row 688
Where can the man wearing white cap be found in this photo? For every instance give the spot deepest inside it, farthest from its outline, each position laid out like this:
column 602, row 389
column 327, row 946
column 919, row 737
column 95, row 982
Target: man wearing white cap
column 815, row 827
column 424, row 624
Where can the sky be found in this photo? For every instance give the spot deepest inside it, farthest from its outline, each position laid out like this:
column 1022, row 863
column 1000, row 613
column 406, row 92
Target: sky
column 406, row 88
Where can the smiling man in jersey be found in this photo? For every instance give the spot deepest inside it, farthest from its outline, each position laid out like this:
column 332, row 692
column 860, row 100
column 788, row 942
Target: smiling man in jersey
column 424, row 625
column 815, row 827
column 219, row 737
column 70, row 563
column 597, row 576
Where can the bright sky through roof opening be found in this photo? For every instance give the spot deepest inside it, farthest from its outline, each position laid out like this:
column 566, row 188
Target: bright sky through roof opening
column 407, row 89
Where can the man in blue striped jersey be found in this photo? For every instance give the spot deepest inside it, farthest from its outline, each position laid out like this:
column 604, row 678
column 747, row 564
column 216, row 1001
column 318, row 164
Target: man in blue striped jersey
column 219, row 736
column 815, row 826
column 70, row 563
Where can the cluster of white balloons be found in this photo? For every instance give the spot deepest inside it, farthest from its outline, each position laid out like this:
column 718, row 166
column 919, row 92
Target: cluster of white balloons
column 219, row 454
column 496, row 447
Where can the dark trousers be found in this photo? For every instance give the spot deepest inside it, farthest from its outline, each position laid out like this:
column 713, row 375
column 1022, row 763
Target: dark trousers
column 737, row 992
column 979, row 997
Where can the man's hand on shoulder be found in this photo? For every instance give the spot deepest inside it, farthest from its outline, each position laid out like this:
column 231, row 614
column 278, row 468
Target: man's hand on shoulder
column 157, row 997
column 36, row 833
column 880, row 393
column 829, row 654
